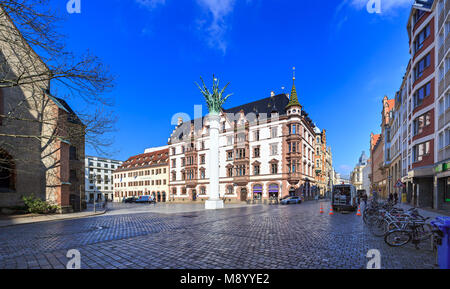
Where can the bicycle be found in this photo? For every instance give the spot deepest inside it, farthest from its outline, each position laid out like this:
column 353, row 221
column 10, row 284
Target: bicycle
column 412, row 231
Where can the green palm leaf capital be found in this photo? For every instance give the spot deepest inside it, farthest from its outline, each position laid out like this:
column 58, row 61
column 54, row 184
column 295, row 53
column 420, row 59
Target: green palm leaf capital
column 215, row 97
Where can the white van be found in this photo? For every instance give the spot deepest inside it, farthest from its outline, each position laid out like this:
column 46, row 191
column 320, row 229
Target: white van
column 344, row 198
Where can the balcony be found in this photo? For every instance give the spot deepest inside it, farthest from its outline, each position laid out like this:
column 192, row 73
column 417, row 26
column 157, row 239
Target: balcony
column 191, row 183
column 241, row 180
column 294, row 137
column 294, row 155
column 294, row 178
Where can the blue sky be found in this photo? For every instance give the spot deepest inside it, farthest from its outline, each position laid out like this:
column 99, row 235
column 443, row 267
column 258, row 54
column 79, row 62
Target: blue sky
column 346, row 60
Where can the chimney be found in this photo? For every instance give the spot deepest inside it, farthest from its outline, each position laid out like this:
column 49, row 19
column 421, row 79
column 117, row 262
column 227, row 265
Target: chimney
column 180, row 121
column 272, row 93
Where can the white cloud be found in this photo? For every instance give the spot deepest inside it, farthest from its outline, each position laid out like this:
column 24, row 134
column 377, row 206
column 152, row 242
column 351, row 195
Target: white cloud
column 216, row 27
column 151, row 4
column 386, row 5
column 213, row 23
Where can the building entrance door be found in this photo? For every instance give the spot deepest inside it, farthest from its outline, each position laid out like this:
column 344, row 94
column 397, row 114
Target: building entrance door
column 244, row 194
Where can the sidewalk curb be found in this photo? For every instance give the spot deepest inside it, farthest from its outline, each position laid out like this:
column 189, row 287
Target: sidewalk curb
column 61, row 219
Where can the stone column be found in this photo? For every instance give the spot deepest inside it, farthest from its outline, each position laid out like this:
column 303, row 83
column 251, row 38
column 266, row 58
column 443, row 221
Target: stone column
column 214, row 201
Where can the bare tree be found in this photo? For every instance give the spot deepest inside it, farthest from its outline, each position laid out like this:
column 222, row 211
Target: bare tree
column 82, row 77
column 35, row 65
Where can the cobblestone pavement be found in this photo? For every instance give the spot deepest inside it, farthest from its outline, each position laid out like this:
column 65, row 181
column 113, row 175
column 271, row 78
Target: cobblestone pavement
column 253, row 237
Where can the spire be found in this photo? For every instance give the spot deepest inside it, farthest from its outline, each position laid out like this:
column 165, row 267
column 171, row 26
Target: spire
column 294, row 99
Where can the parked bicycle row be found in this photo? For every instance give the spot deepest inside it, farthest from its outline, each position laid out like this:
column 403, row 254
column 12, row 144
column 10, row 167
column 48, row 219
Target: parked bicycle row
column 399, row 227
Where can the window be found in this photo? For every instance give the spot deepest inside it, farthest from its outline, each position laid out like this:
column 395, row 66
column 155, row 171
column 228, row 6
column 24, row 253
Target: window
column 422, row 93
column 273, row 132
column 256, row 152
column 230, row 155
column 256, row 170
column 421, row 66
column 240, row 171
column 421, row 122
column 241, row 138
column 229, row 190
column 274, row 169
column 256, row 135
column 418, row 44
column 447, row 137
column 174, row 176
column 294, row 129
column 202, row 159
column 441, row 107
column 447, row 101
column 441, row 140
column 273, row 149
column 73, row 153
column 230, row 140
column 230, row 172
column 240, row 154
column 202, row 174
column 421, row 150
column 418, row 15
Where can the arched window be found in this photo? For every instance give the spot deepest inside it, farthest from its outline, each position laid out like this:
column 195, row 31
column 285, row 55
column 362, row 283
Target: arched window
column 7, row 172
column 257, row 192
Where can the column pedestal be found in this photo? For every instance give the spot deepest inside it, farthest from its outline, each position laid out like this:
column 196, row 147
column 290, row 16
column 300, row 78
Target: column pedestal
column 214, row 205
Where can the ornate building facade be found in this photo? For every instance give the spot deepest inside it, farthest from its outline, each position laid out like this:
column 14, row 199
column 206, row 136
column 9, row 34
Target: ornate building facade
column 267, row 150
column 322, row 164
column 416, row 128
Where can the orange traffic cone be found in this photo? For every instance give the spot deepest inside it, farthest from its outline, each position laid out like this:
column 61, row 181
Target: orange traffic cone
column 359, row 211
column 321, row 209
column 331, row 211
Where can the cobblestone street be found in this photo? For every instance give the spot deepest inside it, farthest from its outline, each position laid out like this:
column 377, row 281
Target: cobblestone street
column 249, row 237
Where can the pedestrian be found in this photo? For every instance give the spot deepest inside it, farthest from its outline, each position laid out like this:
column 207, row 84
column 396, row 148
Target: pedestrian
column 396, row 198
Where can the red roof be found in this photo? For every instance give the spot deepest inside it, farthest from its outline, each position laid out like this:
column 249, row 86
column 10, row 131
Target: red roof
column 156, row 158
column 375, row 139
column 391, row 104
